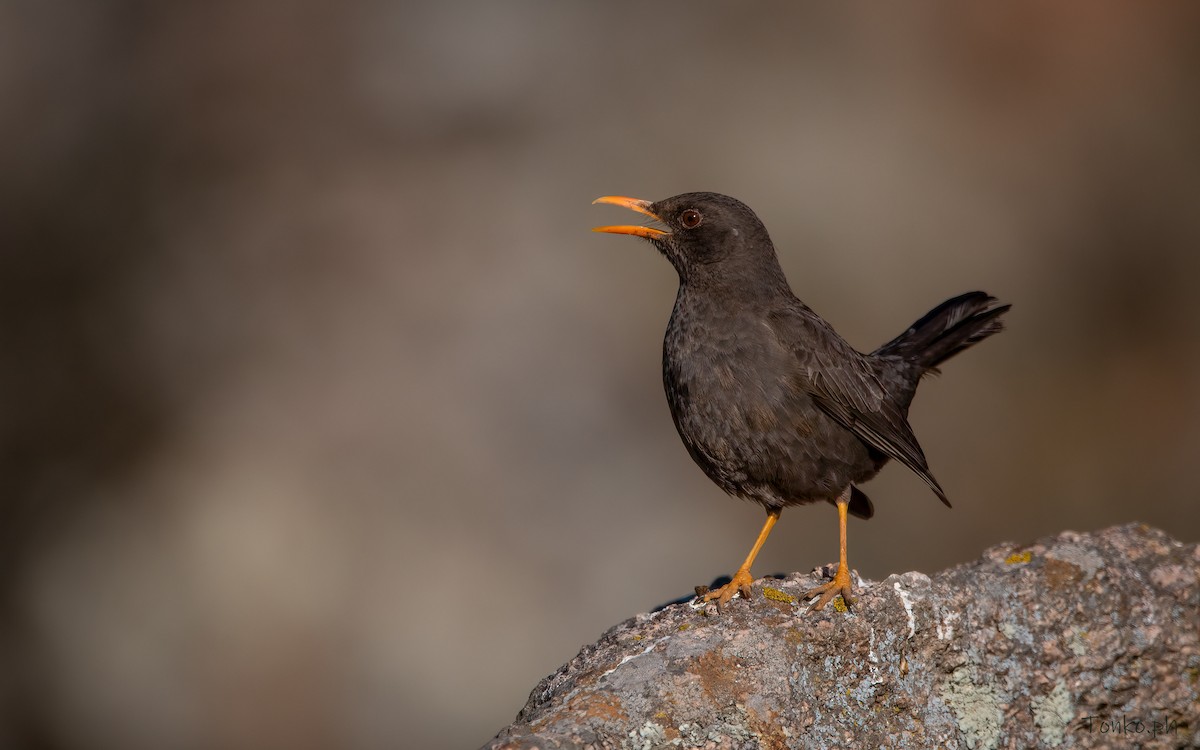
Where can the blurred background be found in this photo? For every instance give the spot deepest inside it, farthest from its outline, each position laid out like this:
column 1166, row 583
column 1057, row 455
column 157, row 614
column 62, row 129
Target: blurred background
column 327, row 423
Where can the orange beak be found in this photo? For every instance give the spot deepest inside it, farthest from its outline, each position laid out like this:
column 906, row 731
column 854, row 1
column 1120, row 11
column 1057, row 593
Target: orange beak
column 634, row 204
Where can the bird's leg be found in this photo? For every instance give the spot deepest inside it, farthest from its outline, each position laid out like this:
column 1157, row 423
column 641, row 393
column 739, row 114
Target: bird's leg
column 742, row 578
column 841, row 580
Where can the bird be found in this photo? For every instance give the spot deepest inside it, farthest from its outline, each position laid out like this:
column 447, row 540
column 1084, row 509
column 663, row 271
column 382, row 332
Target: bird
column 770, row 401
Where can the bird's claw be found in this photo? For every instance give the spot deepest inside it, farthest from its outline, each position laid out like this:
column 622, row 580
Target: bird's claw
column 739, row 585
column 840, row 585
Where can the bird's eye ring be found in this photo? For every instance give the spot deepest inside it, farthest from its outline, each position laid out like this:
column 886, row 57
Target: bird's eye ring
column 690, row 219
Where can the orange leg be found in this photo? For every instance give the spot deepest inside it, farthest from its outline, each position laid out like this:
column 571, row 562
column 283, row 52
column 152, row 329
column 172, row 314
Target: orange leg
column 742, row 578
column 841, row 580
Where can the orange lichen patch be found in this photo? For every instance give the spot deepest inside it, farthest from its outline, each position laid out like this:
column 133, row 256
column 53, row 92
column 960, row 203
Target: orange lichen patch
column 1018, row 557
column 717, row 674
column 667, row 722
column 602, row 706
column 768, row 729
column 1060, row 573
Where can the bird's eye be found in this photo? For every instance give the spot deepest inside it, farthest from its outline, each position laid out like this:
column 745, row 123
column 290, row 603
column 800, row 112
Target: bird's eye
column 690, row 219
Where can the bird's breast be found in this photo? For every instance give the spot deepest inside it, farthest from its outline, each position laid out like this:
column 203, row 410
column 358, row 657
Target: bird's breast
column 736, row 397
column 729, row 385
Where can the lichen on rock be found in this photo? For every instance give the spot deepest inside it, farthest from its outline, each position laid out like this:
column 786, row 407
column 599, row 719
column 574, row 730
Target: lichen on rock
column 1070, row 639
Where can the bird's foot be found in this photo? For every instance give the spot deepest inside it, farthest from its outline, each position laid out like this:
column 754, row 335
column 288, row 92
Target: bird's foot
column 739, row 585
column 840, row 585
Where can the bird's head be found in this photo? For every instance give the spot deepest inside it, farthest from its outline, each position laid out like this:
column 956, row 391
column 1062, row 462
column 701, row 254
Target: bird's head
column 708, row 237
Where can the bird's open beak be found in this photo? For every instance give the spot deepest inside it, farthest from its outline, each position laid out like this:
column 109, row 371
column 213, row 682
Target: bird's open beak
column 634, row 204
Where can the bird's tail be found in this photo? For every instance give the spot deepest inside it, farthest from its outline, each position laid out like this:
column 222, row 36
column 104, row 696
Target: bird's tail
column 946, row 330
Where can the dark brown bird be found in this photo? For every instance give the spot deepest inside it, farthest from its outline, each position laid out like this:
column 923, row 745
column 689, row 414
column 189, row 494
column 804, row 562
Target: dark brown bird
column 770, row 401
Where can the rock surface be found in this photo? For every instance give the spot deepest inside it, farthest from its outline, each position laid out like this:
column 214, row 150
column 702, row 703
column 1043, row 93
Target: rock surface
column 1077, row 640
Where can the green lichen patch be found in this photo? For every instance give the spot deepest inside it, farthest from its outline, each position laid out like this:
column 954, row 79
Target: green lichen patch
column 1052, row 713
column 649, row 734
column 1077, row 644
column 976, row 707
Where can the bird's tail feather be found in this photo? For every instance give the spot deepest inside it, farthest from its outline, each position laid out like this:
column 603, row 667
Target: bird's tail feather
column 946, row 330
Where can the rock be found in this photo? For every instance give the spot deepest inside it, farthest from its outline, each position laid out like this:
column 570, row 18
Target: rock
column 1077, row 640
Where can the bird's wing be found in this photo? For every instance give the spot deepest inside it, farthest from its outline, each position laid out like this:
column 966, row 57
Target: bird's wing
column 843, row 383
